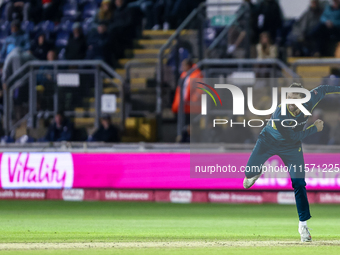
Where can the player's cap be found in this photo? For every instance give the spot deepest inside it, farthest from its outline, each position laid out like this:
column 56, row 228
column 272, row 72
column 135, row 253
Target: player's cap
column 296, row 85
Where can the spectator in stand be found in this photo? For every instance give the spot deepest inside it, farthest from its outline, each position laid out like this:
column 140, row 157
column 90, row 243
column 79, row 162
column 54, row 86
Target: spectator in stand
column 265, row 49
column 335, row 133
column 76, row 46
column 122, row 29
column 17, row 9
column 238, row 32
column 303, row 27
column 106, row 133
column 171, row 13
column 320, row 137
column 17, row 39
column 97, row 41
column 328, row 29
column 40, row 48
column 51, row 10
column 60, row 130
column 190, row 95
column 104, row 14
column 162, row 11
column 44, row 78
column 46, row 84
column 15, row 51
column 270, row 18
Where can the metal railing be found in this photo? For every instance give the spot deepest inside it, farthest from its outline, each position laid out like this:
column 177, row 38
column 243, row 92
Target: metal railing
column 96, row 147
column 27, row 74
column 244, row 13
column 128, row 66
column 316, row 62
column 240, row 64
column 199, row 14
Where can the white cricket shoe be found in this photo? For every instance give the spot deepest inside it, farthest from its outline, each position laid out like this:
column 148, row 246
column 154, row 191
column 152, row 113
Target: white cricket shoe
column 304, row 233
column 248, row 182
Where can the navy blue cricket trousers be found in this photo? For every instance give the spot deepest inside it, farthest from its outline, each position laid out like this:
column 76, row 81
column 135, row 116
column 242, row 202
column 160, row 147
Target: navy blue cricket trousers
column 292, row 156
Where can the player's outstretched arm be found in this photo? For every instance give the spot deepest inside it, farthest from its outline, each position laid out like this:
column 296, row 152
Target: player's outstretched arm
column 320, row 92
column 292, row 136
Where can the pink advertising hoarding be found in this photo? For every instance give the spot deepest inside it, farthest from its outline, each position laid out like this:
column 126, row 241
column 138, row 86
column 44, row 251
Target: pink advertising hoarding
column 141, row 171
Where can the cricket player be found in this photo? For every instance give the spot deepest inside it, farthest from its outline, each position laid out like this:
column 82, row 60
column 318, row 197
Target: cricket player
column 277, row 139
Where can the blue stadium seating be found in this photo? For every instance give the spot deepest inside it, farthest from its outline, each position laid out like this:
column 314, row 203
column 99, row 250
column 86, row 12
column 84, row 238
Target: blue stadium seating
column 82, row 2
column 3, row 36
column 61, row 39
column 89, row 10
column 45, row 26
column 70, row 11
column 6, row 27
column 27, row 26
column 65, row 25
column 86, row 25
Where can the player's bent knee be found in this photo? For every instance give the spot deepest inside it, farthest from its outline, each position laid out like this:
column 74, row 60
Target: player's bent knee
column 298, row 183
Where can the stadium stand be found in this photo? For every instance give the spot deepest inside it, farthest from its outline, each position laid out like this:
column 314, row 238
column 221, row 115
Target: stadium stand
column 146, row 63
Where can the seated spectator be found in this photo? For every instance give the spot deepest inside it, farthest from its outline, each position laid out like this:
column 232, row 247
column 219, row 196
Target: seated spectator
column 46, row 84
column 237, row 32
column 190, row 95
column 17, row 39
column 319, row 137
column 104, row 15
column 60, row 130
column 40, row 48
column 107, row 132
column 17, row 9
column 335, row 133
column 270, row 18
column 265, row 49
column 50, row 56
column 76, row 46
column 303, row 27
column 328, row 28
column 97, row 41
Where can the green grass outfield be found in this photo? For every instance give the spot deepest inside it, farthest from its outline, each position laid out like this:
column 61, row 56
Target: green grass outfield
column 162, row 228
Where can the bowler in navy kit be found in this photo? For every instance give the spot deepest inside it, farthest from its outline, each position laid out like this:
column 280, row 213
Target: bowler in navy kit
column 279, row 137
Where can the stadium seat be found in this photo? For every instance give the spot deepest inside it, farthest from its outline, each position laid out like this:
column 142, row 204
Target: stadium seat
column 61, row 39
column 82, row 2
column 3, row 36
column 89, row 10
column 86, row 25
column 65, row 25
column 70, row 11
column 6, row 27
column 27, row 26
column 71, row 1
column 45, row 26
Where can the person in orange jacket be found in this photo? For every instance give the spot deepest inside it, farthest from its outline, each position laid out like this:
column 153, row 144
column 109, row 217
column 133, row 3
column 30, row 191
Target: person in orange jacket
column 189, row 94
